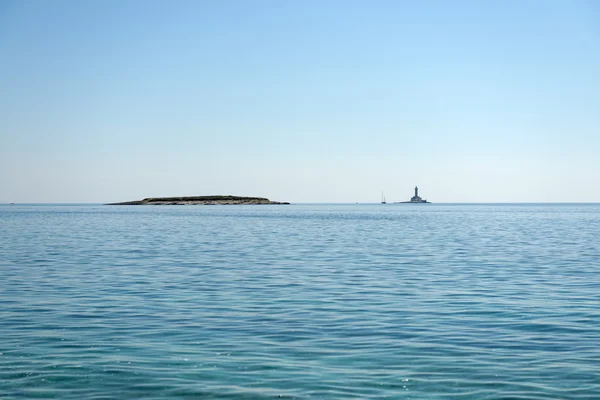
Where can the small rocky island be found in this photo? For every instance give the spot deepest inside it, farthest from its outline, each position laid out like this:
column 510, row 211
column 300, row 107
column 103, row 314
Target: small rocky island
column 199, row 200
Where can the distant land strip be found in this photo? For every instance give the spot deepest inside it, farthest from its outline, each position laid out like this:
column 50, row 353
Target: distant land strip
column 198, row 200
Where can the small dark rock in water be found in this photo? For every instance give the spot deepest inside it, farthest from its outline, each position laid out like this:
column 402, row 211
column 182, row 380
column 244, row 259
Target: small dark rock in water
column 201, row 200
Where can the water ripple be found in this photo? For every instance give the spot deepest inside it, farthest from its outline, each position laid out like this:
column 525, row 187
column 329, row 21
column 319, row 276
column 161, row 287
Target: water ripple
column 300, row 302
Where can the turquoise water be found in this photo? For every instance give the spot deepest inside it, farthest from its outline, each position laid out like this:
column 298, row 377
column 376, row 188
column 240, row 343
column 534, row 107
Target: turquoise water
column 301, row 301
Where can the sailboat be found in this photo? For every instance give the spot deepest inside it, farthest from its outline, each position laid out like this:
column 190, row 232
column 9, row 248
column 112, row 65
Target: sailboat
column 382, row 198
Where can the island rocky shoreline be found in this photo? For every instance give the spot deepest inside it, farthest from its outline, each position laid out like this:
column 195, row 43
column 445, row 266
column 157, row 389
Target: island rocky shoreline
column 198, row 200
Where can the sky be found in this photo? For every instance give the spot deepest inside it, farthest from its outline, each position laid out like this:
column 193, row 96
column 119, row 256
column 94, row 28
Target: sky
column 300, row 101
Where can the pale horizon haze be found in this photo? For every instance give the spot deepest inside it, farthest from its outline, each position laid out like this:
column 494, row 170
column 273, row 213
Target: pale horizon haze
column 300, row 101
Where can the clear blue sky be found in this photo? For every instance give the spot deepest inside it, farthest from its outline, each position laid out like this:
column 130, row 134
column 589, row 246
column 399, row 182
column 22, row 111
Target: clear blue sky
column 302, row 101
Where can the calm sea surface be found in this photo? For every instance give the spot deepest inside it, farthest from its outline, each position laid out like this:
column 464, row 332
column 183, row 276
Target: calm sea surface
column 301, row 301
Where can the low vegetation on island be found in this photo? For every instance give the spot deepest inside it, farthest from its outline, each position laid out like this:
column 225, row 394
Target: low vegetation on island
column 199, row 200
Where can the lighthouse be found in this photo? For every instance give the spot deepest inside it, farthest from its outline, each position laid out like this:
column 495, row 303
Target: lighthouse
column 416, row 198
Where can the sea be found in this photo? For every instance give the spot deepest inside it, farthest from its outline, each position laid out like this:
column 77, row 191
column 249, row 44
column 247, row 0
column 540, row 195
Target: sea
column 300, row 301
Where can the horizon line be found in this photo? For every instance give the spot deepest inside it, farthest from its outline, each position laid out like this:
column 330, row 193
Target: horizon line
column 345, row 202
